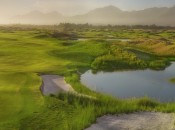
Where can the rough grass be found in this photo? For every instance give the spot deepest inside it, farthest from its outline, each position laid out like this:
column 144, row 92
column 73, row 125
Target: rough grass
column 70, row 112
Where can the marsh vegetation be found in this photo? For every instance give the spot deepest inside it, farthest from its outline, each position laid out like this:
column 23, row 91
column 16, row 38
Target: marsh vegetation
column 172, row 80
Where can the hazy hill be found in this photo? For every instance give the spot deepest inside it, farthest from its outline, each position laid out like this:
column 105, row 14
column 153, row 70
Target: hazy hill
column 106, row 15
column 113, row 15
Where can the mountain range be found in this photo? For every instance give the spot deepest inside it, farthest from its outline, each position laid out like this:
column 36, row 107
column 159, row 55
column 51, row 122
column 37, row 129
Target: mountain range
column 164, row 16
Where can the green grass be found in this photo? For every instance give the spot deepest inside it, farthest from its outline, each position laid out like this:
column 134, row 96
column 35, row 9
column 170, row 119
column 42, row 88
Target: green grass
column 26, row 54
column 19, row 97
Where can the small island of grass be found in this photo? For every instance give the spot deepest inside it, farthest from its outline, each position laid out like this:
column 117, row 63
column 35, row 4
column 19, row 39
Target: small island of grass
column 172, row 80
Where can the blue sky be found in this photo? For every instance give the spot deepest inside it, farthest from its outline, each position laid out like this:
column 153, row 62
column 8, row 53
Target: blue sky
column 72, row 7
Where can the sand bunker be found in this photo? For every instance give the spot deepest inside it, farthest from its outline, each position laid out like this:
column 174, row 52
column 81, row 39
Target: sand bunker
column 135, row 121
column 54, row 84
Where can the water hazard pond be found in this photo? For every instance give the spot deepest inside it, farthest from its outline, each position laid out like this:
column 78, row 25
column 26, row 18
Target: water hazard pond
column 138, row 83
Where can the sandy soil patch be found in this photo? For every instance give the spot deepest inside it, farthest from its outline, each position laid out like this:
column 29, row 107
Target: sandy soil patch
column 54, row 84
column 135, row 121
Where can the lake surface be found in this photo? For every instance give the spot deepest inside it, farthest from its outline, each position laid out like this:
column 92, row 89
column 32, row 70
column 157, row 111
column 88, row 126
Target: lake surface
column 129, row 84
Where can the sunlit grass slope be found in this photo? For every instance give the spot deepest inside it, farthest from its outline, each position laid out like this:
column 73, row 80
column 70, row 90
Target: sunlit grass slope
column 24, row 55
column 19, row 97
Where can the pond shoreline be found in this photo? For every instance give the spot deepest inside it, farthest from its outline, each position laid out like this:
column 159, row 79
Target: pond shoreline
column 133, row 83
